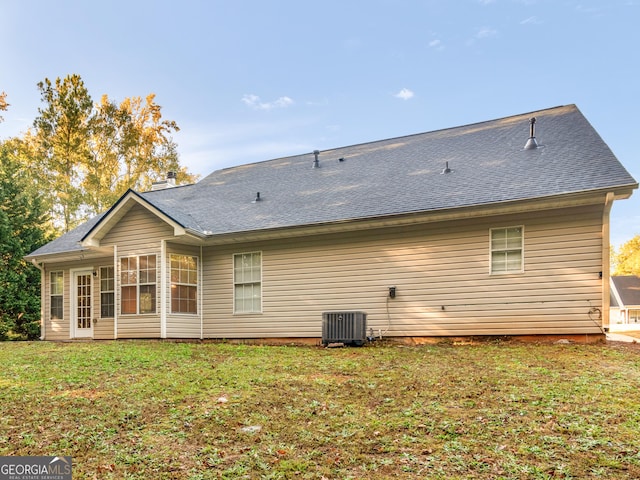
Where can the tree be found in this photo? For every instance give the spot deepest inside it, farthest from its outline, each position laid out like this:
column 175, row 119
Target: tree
column 626, row 260
column 22, row 219
column 62, row 134
column 89, row 155
column 3, row 104
column 131, row 146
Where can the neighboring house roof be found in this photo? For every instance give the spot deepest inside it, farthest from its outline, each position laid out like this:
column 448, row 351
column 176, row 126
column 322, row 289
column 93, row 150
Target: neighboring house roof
column 397, row 176
column 627, row 288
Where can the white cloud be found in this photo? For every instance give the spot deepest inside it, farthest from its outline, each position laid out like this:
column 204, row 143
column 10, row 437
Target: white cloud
column 531, row 21
column 485, row 2
column 254, row 102
column 437, row 44
column 404, row 94
column 486, row 32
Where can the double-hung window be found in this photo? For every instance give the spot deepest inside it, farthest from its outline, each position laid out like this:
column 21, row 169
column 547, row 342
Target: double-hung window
column 57, row 295
column 138, row 284
column 107, row 292
column 247, row 282
column 507, row 250
column 184, row 284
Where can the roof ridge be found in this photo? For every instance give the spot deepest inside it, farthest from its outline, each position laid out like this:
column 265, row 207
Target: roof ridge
column 400, row 137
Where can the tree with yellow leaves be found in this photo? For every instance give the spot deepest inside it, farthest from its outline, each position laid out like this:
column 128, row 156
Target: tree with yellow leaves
column 3, row 104
column 626, row 260
column 85, row 156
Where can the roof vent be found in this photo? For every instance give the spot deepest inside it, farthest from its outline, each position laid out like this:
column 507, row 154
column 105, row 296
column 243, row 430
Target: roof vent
column 316, row 162
column 257, row 199
column 446, row 169
column 531, row 143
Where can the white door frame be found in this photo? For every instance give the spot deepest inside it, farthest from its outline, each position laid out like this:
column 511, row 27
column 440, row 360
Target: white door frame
column 77, row 332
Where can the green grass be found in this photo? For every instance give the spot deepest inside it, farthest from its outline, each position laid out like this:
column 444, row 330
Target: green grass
column 146, row 409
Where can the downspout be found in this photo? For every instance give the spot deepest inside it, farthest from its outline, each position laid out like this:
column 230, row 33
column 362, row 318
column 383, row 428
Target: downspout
column 201, row 294
column 42, row 287
column 606, row 269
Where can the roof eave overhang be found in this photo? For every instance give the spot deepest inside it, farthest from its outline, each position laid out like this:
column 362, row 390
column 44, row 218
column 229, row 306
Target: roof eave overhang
column 431, row 216
column 75, row 255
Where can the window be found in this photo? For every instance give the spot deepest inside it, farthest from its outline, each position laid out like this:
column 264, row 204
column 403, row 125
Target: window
column 57, row 295
column 138, row 284
column 107, row 292
column 634, row 316
column 506, row 250
column 184, row 284
column 247, row 282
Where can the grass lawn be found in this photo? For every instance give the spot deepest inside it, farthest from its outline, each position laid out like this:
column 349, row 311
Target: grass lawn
column 165, row 410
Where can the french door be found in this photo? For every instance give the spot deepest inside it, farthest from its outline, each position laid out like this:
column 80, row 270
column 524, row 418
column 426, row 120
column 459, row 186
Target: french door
column 81, row 308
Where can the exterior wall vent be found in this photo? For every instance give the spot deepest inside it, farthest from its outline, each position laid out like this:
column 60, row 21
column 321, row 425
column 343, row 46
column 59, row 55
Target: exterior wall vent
column 344, row 327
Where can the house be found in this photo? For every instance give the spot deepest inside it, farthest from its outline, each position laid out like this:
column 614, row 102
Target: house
column 495, row 228
column 625, row 303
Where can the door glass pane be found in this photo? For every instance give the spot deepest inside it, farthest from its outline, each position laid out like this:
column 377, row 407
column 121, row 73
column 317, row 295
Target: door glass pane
column 83, row 296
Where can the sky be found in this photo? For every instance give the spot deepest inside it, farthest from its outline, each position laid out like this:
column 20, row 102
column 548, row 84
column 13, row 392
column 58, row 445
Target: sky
column 252, row 80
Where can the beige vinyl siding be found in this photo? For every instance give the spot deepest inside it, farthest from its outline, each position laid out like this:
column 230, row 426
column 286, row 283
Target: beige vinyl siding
column 102, row 327
column 60, row 329
column 56, row 329
column 182, row 325
column 441, row 272
column 139, row 232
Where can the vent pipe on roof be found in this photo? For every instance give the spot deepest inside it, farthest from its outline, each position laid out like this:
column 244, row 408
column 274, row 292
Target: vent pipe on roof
column 316, row 162
column 531, row 143
column 446, row 169
column 257, row 199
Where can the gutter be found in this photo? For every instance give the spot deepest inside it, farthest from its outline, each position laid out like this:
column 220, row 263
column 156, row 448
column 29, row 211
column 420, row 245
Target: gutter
column 593, row 197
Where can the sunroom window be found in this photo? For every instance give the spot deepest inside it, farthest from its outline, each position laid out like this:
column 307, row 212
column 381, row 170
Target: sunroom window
column 138, row 284
column 184, row 284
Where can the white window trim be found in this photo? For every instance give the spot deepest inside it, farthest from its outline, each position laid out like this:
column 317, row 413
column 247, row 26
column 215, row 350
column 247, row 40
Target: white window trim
column 197, row 285
column 51, row 294
column 100, row 291
column 233, row 263
column 138, row 284
column 508, row 272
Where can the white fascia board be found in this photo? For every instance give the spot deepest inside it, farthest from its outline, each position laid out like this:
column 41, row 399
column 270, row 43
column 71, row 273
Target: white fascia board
column 119, row 210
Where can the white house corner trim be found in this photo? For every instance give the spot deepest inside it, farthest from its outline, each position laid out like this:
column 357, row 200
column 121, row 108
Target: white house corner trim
column 43, row 320
column 201, row 293
column 116, row 290
column 163, row 288
column 606, row 269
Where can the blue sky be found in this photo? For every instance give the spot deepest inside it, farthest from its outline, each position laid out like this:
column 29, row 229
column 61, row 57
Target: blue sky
column 250, row 80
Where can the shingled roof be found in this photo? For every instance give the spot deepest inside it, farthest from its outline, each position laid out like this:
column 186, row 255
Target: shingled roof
column 487, row 161
column 628, row 289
